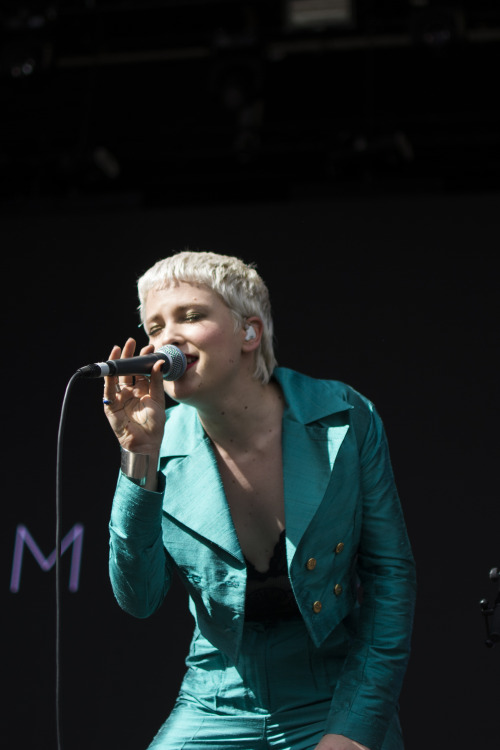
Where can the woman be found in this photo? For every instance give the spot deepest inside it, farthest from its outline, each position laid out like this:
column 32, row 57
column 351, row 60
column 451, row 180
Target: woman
column 271, row 495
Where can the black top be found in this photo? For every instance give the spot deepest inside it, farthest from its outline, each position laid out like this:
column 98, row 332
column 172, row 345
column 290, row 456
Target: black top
column 269, row 595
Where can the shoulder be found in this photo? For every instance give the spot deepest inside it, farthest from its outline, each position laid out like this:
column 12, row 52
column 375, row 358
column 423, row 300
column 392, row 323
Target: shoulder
column 310, row 399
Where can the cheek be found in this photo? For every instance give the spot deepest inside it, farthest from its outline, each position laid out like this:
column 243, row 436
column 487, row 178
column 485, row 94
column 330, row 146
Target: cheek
column 216, row 339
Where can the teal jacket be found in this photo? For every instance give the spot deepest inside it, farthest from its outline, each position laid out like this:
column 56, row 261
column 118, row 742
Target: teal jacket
column 341, row 509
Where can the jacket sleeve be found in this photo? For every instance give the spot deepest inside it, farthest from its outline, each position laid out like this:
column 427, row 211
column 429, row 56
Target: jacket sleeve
column 139, row 568
column 366, row 697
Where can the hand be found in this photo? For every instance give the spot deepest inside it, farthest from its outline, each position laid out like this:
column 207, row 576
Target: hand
column 339, row 742
column 135, row 407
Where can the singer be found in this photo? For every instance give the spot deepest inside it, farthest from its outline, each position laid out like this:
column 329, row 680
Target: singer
column 271, row 494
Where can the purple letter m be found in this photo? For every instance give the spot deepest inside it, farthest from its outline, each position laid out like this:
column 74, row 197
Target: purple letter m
column 74, row 537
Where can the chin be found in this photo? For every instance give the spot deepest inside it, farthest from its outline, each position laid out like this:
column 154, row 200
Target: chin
column 180, row 391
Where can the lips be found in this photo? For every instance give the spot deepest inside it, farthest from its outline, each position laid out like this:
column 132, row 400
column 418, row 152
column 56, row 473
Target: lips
column 190, row 359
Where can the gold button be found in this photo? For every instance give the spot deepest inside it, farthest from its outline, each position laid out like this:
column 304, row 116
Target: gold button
column 311, row 563
column 339, row 548
column 338, row 589
column 317, row 607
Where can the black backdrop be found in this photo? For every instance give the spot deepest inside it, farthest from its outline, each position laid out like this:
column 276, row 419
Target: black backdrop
column 398, row 297
column 359, row 168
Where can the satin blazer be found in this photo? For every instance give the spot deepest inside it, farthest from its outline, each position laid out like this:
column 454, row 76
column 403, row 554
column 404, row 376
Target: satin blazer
column 344, row 529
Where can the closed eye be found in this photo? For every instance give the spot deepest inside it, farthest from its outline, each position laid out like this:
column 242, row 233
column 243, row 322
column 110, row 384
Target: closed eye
column 182, row 314
column 154, row 331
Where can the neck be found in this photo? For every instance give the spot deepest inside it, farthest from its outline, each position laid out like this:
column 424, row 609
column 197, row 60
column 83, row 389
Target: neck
column 240, row 421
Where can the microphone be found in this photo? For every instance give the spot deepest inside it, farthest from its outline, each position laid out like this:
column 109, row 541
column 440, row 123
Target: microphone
column 174, row 367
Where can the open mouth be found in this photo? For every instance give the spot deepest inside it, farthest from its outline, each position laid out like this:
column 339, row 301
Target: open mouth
column 190, row 359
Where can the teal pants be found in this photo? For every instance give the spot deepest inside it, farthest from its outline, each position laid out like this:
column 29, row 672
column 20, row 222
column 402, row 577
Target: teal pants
column 277, row 695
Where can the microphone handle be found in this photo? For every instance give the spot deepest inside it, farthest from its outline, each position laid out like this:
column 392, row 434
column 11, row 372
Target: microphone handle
column 136, row 365
column 129, row 366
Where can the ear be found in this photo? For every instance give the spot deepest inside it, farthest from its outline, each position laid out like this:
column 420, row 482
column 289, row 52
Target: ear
column 252, row 333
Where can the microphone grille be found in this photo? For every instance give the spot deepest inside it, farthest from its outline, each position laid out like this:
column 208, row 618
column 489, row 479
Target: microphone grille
column 177, row 359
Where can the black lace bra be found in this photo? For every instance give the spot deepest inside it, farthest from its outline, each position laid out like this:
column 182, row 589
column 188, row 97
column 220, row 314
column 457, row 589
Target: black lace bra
column 269, row 595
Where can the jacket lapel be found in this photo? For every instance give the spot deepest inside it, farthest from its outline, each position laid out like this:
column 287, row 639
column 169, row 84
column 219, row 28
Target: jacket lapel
column 309, row 453
column 309, row 449
column 195, row 498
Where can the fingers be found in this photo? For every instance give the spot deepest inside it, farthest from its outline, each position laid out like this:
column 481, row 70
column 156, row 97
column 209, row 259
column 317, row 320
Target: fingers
column 127, row 351
column 156, row 390
column 135, row 404
column 115, row 353
column 129, row 348
column 155, row 377
column 113, row 385
column 109, row 395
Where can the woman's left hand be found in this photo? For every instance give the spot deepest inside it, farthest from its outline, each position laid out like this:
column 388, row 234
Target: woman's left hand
column 339, row 742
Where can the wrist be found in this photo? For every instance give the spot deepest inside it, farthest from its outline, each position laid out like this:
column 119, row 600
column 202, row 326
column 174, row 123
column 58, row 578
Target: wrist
column 141, row 468
column 135, row 466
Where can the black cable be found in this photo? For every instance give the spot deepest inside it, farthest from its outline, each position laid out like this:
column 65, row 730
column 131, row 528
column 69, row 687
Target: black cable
column 62, row 423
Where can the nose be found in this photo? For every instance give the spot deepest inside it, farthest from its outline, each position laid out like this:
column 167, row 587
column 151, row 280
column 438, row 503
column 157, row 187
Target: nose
column 169, row 335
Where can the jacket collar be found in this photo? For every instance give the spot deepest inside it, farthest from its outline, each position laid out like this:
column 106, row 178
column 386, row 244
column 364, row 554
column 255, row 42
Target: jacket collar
column 307, row 400
column 309, row 452
column 309, row 447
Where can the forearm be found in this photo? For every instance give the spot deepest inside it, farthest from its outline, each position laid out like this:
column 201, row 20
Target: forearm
column 367, row 692
column 138, row 565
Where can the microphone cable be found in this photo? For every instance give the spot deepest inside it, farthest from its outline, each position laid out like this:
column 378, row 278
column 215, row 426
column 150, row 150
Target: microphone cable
column 177, row 360
column 58, row 679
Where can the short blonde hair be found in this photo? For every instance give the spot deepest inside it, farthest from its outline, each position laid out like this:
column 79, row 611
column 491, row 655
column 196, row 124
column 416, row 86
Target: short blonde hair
column 237, row 283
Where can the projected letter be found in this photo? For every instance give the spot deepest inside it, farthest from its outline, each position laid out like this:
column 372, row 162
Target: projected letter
column 23, row 537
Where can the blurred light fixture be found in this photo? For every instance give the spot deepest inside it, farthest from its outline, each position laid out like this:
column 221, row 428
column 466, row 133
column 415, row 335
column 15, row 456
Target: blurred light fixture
column 27, row 47
column 106, row 162
column 437, row 28
column 314, row 14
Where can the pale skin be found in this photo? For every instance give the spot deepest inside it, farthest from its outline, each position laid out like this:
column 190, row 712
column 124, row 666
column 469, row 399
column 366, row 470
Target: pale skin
column 241, row 416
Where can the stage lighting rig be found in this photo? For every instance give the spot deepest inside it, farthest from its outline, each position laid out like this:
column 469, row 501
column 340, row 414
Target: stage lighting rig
column 318, row 14
column 493, row 629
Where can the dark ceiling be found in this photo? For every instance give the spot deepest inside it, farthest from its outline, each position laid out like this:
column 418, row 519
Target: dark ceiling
column 156, row 102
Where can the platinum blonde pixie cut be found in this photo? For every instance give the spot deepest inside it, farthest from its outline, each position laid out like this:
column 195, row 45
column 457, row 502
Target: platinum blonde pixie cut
column 237, row 283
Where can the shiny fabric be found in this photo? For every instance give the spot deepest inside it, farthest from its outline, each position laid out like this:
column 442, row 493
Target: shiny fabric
column 341, row 508
column 277, row 695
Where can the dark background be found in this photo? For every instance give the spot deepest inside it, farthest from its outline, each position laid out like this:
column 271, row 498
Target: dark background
column 358, row 165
